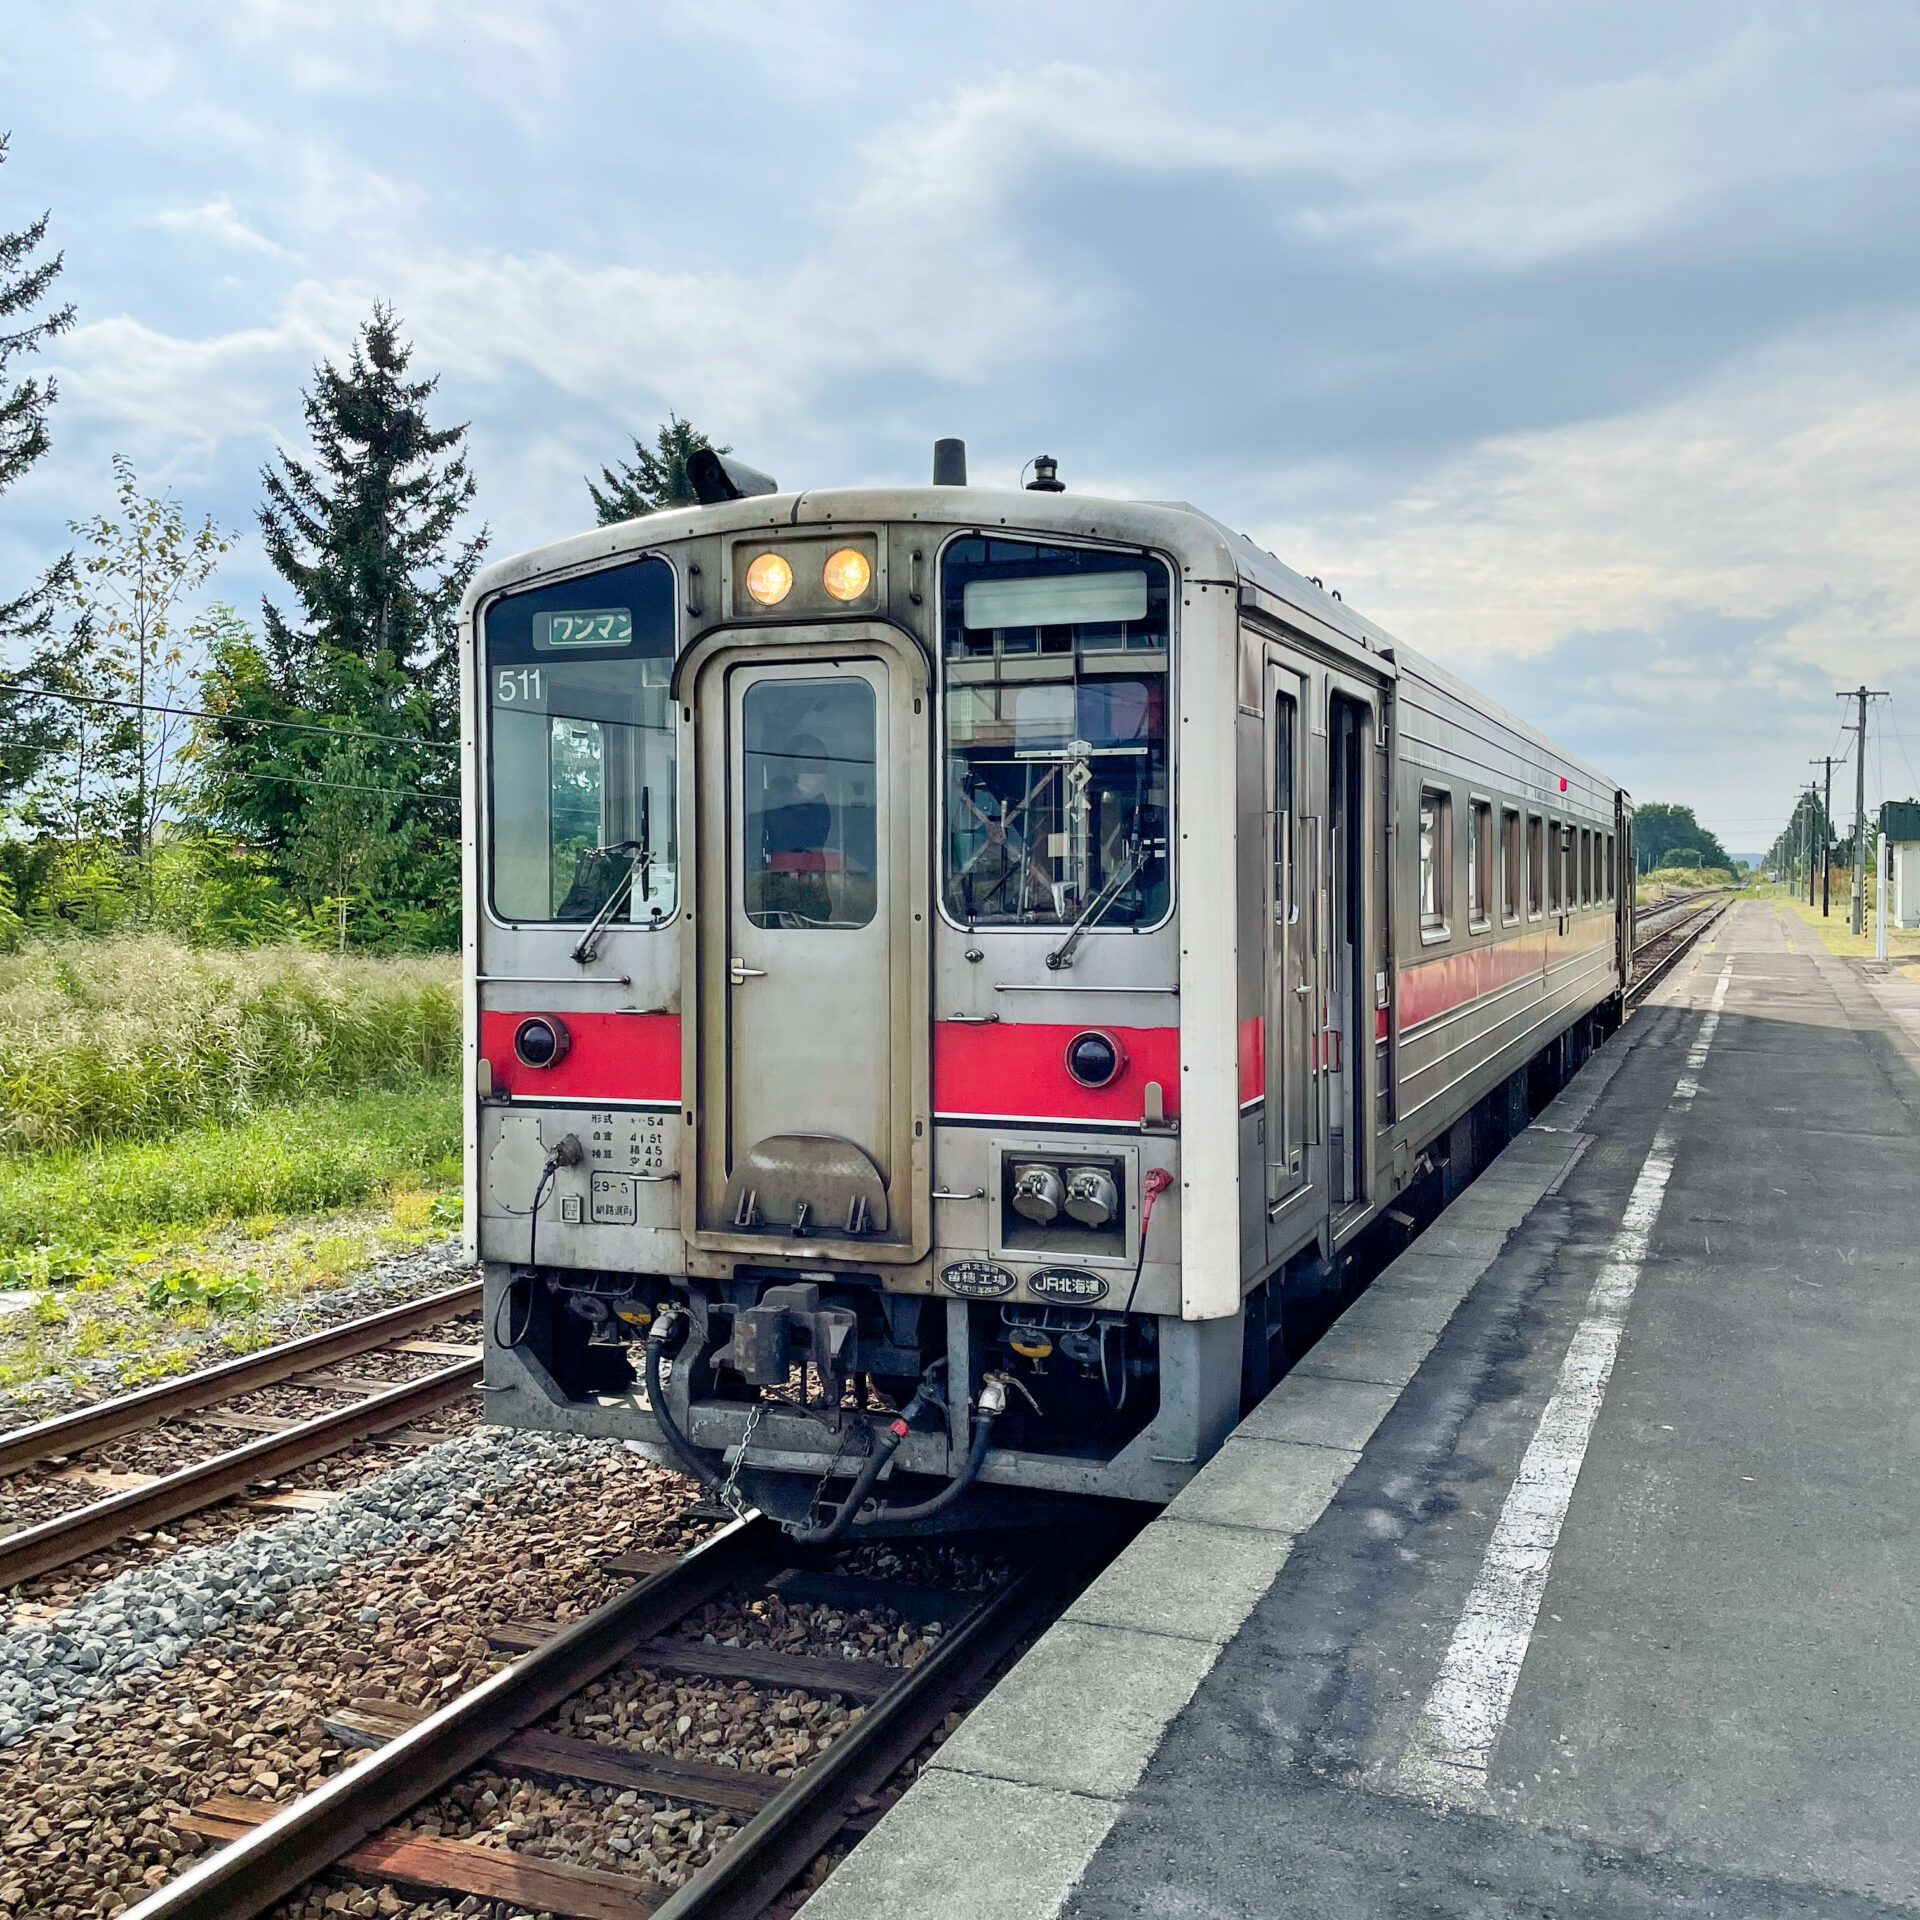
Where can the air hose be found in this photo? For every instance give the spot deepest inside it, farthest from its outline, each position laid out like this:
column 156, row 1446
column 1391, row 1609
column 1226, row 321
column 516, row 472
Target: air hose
column 887, row 1441
column 991, row 1404
column 683, row 1449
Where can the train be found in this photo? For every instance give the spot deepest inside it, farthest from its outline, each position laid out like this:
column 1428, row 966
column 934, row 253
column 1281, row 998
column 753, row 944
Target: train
column 955, row 977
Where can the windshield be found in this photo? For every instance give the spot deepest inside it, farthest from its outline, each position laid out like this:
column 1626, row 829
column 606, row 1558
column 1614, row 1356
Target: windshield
column 1056, row 735
column 581, row 747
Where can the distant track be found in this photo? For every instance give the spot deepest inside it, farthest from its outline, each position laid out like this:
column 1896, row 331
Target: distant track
column 1684, row 919
column 39, row 1548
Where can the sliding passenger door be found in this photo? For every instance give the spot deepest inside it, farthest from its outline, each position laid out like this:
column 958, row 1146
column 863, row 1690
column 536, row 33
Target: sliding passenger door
column 1295, row 773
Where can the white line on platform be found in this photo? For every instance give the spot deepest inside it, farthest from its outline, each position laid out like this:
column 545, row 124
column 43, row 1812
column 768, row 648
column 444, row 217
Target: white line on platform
column 1464, row 1715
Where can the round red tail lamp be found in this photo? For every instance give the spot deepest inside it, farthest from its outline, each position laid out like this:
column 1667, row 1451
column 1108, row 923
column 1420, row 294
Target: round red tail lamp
column 1096, row 1058
column 541, row 1041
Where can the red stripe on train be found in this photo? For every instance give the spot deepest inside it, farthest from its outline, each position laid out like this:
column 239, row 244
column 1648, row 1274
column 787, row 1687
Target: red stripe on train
column 1012, row 1071
column 1438, row 986
column 614, row 1056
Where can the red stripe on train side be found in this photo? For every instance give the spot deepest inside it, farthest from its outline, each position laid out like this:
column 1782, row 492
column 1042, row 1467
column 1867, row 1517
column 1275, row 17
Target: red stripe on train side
column 614, row 1056
column 1019, row 1071
column 1253, row 1060
column 1437, row 986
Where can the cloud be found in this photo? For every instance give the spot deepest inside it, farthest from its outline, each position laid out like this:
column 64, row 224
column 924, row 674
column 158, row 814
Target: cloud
column 1783, row 489
column 219, row 221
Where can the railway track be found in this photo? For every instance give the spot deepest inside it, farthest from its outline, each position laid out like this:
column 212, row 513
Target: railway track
column 265, row 1854
column 137, row 1502
column 1680, row 922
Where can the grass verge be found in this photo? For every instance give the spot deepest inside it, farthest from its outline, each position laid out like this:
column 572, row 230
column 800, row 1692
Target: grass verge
column 319, row 1154
column 143, row 1259
column 1833, row 932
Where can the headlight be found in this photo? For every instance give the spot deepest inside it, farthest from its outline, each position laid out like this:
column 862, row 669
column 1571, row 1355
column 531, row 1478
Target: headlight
column 769, row 579
column 541, row 1042
column 847, row 574
column 1095, row 1059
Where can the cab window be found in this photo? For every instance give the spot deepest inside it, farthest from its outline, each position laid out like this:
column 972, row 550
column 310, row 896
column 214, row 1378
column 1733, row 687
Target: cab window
column 1055, row 697
column 580, row 747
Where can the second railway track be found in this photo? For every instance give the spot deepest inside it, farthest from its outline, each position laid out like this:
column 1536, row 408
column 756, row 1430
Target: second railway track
column 1659, row 948
column 307, row 1368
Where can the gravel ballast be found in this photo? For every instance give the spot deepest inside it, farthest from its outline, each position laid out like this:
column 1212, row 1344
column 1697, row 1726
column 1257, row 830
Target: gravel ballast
column 392, row 1279
column 149, row 1617
column 88, row 1801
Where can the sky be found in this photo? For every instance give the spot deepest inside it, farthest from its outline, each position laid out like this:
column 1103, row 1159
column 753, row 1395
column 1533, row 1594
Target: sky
column 1579, row 346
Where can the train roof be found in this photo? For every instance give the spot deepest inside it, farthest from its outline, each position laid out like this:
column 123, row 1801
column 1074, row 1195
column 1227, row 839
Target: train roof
column 1210, row 552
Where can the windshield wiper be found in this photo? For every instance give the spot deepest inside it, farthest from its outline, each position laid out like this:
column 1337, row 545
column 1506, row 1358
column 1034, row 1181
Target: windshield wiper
column 1062, row 955
column 621, row 890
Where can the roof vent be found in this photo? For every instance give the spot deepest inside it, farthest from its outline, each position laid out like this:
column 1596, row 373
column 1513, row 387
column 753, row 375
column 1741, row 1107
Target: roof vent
column 1046, row 475
column 949, row 463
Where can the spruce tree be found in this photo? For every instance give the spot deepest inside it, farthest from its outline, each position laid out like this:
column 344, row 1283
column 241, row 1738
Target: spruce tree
column 367, row 537
column 654, row 479
column 32, row 731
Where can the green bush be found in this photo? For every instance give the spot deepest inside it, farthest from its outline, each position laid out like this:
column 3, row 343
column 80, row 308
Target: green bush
column 300, row 1159
column 131, row 1037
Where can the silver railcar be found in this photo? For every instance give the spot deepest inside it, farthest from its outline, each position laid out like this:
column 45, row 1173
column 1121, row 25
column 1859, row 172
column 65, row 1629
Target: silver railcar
column 952, row 976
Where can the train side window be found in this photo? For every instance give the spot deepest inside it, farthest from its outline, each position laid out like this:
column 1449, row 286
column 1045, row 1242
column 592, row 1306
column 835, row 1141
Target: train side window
column 1286, row 906
column 1509, row 865
column 1436, row 862
column 1536, row 865
column 1556, row 869
column 1586, row 866
column 1610, row 878
column 1480, row 866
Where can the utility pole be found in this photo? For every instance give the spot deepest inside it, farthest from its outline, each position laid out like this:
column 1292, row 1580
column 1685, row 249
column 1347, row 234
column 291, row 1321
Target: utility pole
column 1857, row 920
column 1826, row 839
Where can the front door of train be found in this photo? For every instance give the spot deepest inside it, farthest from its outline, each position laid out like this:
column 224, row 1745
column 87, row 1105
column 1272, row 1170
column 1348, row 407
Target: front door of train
column 1292, row 1038
column 810, row 937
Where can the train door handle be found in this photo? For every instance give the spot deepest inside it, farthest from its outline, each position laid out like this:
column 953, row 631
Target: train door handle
column 740, row 973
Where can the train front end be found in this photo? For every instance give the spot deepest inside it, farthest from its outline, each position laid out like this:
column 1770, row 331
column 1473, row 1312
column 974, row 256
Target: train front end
column 831, row 1124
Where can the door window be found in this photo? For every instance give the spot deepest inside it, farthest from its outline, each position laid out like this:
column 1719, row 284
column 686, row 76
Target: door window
column 1436, row 862
column 808, row 817
column 1285, row 906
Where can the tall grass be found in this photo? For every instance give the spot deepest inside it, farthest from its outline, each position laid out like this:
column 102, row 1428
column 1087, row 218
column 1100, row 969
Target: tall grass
column 321, row 1154
column 134, row 1037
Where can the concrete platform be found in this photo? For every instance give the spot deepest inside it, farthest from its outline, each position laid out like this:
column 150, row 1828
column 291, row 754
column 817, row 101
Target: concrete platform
column 1576, row 1571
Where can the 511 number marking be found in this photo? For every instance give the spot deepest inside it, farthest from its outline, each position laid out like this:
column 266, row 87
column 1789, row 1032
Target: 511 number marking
column 518, row 688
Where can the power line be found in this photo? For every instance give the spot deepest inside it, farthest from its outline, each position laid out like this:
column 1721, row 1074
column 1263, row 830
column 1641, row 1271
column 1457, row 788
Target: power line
column 347, row 786
column 1899, row 740
column 233, row 719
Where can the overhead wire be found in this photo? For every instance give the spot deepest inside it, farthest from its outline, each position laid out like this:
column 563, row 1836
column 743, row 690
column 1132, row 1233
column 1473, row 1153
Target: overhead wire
column 230, row 719
column 283, row 726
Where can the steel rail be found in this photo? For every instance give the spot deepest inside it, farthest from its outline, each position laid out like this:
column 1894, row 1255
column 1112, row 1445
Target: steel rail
column 250, row 1874
column 89, row 1426
column 779, row 1841
column 52, row 1543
